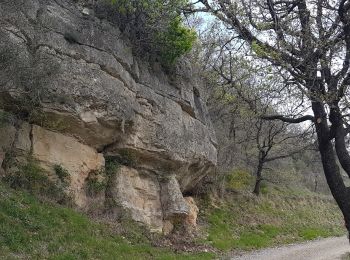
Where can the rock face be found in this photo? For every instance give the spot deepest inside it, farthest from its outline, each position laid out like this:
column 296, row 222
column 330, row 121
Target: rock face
column 73, row 76
column 139, row 193
column 79, row 160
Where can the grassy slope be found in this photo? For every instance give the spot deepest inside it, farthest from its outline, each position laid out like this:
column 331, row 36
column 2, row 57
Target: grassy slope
column 30, row 229
column 245, row 222
column 36, row 230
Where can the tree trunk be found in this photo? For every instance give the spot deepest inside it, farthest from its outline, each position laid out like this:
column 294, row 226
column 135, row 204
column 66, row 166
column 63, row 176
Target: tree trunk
column 331, row 170
column 316, row 183
column 258, row 179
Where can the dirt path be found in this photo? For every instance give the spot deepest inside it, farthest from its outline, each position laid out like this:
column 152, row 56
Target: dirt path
column 324, row 249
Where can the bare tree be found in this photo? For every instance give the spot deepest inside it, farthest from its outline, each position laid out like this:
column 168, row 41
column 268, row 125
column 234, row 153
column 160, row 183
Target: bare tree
column 274, row 143
column 239, row 99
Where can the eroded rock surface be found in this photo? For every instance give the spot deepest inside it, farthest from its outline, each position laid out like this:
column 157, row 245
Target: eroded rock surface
column 74, row 74
column 140, row 194
column 52, row 149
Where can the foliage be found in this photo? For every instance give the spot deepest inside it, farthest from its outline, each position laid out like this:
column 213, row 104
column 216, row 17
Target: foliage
column 155, row 27
column 263, row 52
column 176, row 41
column 96, row 183
column 345, row 256
column 61, row 173
column 34, row 230
column 112, row 166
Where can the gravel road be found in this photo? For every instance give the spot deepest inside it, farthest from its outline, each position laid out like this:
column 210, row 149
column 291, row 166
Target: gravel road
column 324, row 249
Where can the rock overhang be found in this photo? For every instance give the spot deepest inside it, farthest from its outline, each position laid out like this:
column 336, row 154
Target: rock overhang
column 100, row 94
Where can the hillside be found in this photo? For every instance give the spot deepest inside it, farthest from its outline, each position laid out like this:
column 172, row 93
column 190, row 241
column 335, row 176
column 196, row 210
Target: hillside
column 37, row 229
column 244, row 222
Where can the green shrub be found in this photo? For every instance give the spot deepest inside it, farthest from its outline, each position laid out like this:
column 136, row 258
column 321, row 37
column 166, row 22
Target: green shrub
column 96, row 183
column 95, row 186
column 111, row 169
column 155, row 27
column 62, row 173
column 176, row 41
column 264, row 188
column 37, row 116
column 112, row 166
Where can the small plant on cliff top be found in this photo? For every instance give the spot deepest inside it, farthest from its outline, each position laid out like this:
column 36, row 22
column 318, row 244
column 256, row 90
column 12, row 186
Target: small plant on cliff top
column 155, row 27
column 175, row 41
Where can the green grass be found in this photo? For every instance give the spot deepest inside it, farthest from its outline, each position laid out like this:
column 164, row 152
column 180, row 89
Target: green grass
column 30, row 229
column 245, row 222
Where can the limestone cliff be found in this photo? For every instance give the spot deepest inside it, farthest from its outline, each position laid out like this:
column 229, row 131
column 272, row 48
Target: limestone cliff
column 82, row 97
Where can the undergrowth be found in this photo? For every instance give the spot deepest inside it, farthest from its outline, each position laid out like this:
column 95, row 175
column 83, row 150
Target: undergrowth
column 34, row 179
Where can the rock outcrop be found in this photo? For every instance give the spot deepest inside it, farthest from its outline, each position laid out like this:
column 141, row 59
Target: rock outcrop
column 72, row 76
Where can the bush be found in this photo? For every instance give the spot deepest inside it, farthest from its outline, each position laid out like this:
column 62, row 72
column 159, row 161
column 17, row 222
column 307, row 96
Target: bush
column 112, row 166
column 176, row 41
column 155, row 26
column 96, row 183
